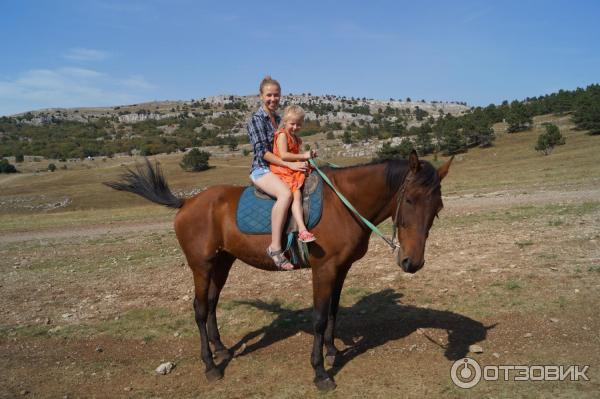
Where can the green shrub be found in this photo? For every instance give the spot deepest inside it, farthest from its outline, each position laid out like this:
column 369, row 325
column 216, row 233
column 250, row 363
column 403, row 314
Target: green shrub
column 548, row 140
column 347, row 137
column 195, row 161
column 6, row 167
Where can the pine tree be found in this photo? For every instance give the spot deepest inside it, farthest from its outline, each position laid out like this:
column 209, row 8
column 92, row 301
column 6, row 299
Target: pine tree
column 518, row 117
column 453, row 142
column 449, row 139
column 423, row 143
column 587, row 110
column 477, row 129
column 401, row 151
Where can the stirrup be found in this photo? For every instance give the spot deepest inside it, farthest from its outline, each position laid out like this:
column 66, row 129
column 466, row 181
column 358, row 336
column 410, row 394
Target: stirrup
column 279, row 259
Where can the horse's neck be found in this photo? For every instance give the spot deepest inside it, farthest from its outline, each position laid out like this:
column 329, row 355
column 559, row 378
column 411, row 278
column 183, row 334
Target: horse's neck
column 366, row 189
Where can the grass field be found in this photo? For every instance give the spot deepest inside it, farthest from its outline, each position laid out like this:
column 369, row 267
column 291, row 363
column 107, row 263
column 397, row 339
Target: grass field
column 96, row 293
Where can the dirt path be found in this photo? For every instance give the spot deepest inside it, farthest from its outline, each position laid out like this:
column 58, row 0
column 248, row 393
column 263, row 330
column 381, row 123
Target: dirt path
column 12, row 177
column 87, row 231
column 504, row 199
column 453, row 204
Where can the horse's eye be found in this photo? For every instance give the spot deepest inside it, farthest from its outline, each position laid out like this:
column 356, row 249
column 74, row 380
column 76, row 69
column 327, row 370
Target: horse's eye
column 409, row 201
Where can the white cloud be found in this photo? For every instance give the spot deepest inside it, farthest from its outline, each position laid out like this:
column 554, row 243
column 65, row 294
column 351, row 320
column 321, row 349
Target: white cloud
column 138, row 82
column 69, row 87
column 80, row 72
column 43, row 79
column 86, row 54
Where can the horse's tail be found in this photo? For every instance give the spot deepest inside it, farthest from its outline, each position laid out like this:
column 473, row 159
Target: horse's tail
column 148, row 181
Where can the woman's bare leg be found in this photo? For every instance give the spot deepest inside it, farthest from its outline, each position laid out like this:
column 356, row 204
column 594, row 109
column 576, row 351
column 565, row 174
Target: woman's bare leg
column 272, row 185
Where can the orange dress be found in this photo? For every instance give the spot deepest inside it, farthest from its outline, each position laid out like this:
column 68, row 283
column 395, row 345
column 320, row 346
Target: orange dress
column 294, row 179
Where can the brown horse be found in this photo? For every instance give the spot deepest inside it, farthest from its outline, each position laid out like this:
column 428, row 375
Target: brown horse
column 205, row 225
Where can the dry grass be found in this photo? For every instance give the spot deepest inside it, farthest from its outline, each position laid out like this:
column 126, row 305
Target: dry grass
column 512, row 164
column 500, row 271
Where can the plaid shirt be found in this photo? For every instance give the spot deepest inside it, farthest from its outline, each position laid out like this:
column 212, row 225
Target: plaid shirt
column 261, row 132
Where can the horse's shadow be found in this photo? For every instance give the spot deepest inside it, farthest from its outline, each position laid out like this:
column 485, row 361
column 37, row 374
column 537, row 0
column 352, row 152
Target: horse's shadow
column 371, row 322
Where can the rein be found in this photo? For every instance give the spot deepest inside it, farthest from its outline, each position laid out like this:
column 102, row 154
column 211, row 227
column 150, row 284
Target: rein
column 400, row 197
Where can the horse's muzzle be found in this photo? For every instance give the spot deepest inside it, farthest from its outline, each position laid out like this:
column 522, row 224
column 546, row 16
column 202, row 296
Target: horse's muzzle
column 409, row 266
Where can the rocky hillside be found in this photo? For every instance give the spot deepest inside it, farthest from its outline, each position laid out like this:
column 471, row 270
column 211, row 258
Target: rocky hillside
column 169, row 126
column 325, row 109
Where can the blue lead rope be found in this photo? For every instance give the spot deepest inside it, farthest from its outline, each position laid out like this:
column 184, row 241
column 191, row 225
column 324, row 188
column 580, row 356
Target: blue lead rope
column 370, row 225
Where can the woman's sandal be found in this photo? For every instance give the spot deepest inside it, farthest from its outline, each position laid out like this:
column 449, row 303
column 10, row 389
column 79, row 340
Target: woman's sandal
column 280, row 260
column 306, row 236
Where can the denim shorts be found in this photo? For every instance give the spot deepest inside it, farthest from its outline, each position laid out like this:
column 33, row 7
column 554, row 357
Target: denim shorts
column 259, row 172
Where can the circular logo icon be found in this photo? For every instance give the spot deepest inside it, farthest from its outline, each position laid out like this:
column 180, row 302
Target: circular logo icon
column 465, row 373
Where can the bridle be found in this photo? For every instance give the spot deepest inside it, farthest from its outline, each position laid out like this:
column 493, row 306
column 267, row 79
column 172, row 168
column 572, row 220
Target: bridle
column 397, row 216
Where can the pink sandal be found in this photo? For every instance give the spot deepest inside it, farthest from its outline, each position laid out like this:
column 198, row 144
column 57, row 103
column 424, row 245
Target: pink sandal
column 306, row 236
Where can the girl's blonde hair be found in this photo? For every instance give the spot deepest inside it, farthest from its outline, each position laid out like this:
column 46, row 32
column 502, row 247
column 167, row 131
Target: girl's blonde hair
column 268, row 80
column 292, row 111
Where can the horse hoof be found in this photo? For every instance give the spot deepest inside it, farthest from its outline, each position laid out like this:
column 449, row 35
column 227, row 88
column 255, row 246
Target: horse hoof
column 221, row 356
column 326, row 384
column 213, row 375
column 330, row 360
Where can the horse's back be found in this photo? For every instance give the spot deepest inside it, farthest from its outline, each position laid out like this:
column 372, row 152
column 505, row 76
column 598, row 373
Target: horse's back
column 207, row 213
column 218, row 194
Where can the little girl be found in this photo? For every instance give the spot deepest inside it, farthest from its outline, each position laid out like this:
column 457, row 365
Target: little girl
column 287, row 146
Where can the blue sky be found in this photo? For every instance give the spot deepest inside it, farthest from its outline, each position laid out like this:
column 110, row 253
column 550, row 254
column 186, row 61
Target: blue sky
column 108, row 52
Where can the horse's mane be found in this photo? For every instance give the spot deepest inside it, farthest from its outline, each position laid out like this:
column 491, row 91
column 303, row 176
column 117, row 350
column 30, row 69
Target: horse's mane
column 395, row 172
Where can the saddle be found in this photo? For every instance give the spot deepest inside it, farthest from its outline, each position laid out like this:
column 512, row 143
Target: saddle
column 253, row 215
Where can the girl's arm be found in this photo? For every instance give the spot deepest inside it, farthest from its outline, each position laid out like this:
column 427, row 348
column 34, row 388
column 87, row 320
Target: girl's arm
column 275, row 160
column 289, row 156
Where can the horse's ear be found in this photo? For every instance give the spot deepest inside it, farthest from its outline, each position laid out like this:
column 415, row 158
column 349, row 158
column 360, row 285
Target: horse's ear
column 443, row 170
column 413, row 162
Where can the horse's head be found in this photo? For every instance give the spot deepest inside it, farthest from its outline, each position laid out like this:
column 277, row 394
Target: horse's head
column 419, row 202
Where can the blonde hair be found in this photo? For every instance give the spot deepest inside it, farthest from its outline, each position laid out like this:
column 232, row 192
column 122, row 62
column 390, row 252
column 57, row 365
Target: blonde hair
column 293, row 111
column 268, row 80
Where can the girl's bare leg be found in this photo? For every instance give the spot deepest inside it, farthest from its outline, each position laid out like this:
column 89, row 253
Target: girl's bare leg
column 297, row 211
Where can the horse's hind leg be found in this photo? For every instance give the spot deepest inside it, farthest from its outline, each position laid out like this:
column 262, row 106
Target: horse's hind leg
column 217, row 281
column 331, row 350
column 202, row 274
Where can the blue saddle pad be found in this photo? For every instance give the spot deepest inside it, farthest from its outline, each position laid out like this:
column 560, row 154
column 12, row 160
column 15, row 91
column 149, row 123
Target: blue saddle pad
column 253, row 214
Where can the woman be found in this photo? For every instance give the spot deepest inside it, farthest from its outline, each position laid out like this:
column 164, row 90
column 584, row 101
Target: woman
column 261, row 129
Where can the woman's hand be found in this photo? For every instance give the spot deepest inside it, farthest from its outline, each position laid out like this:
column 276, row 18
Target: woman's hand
column 299, row 166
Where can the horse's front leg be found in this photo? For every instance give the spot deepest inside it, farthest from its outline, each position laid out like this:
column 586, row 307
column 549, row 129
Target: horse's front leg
column 323, row 288
column 331, row 350
column 201, row 285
